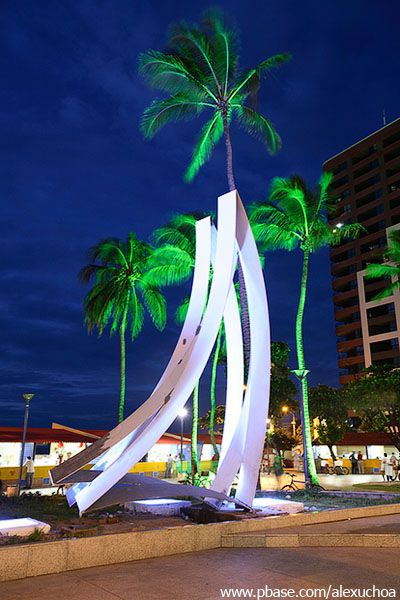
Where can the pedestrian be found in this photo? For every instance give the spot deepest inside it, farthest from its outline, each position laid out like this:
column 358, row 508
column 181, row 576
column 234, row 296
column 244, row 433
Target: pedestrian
column 353, row 461
column 393, row 463
column 384, row 461
column 30, row 471
column 170, row 462
column 277, row 468
column 389, row 472
column 360, row 462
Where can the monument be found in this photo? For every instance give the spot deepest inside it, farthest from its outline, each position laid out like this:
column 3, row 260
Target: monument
column 108, row 480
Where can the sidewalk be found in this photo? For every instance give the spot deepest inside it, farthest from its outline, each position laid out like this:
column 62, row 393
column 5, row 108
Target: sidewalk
column 202, row 575
column 328, row 482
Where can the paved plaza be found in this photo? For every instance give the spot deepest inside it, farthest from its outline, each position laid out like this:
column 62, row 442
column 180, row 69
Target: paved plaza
column 202, row 575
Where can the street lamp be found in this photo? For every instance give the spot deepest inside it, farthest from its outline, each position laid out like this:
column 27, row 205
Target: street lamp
column 268, row 467
column 182, row 414
column 27, row 398
column 286, row 409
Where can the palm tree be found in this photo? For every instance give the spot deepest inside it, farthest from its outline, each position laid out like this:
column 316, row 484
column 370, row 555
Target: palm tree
column 296, row 216
column 200, row 72
column 123, row 288
column 390, row 267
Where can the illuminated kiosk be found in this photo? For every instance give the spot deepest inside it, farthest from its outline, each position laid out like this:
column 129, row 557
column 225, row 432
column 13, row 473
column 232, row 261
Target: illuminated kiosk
column 111, row 457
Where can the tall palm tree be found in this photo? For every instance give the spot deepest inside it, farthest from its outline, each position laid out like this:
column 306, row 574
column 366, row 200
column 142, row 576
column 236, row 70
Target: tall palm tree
column 296, row 216
column 123, row 288
column 200, row 72
column 390, row 266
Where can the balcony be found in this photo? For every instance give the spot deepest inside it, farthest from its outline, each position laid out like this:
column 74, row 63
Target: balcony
column 391, row 155
column 366, row 169
column 364, row 154
column 391, row 139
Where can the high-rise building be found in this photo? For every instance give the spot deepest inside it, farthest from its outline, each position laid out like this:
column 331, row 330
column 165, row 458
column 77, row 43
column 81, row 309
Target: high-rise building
column 367, row 184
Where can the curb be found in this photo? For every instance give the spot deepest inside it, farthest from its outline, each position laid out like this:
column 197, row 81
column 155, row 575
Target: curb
column 41, row 558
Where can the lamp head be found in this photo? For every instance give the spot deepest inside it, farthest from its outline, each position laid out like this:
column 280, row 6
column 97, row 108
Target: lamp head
column 182, row 412
column 27, row 397
column 285, row 409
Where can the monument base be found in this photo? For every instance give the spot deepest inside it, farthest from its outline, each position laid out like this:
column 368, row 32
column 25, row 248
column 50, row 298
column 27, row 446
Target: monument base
column 166, row 507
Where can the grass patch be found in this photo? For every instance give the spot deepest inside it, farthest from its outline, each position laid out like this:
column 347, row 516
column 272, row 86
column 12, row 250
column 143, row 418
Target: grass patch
column 388, row 488
column 49, row 509
column 320, row 501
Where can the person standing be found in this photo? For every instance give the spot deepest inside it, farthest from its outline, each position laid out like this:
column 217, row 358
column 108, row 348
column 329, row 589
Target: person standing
column 30, row 471
column 393, row 463
column 353, row 461
column 170, row 462
column 384, row 461
column 360, row 462
column 277, row 468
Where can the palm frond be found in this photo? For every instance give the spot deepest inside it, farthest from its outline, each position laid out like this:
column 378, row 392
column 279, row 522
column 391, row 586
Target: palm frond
column 210, row 134
column 374, row 271
column 248, row 82
column 257, row 125
column 224, row 46
column 169, row 73
column 345, row 232
column 181, row 311
column 174, row 108
column 171, row 234
column 155, row 303
column 193, row 44
column 290, row 195
column 169, row 265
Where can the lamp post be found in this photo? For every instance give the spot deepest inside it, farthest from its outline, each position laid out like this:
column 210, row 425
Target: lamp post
column 286, row 409
column 27, row 398
column 182, row 414
column 268, row 466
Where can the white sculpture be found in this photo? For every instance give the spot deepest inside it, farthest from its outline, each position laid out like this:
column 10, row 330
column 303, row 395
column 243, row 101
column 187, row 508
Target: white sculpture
column 245, row 417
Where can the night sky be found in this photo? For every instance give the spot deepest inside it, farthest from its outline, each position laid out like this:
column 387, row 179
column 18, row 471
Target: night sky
column 75, row 169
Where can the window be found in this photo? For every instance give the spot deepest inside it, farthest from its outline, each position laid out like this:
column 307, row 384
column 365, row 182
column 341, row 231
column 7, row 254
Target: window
column 346, row 208
column 380, row 209
column 340, row 167
column 394, row 343
column 377, row 178
column 345, row 194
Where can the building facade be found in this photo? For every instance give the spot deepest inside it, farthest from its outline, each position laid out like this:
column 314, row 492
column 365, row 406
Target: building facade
column 367, row 185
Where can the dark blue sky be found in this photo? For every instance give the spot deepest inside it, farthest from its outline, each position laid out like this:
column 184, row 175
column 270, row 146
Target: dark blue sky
column 75, row 169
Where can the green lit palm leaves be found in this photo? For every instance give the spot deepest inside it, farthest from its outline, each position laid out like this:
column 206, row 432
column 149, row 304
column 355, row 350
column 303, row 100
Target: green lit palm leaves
column 296, row 216
column 124, row 286
column 200, row 71
column 390, row 267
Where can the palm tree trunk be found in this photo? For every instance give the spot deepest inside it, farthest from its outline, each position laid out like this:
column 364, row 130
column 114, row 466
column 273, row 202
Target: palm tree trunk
column 195, row 419
column 242, row 285
column 212, row 391
column 228, row 144
column 122, row 392
column 308, row 451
